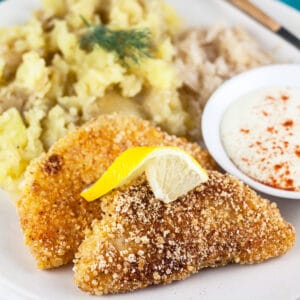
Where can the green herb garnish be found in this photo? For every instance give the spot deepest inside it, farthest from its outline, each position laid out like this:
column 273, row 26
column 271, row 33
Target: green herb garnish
column 129, row 45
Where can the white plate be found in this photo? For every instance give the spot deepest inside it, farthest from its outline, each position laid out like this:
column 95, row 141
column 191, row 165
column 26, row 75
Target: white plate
column 276, row 279
column 230, row 91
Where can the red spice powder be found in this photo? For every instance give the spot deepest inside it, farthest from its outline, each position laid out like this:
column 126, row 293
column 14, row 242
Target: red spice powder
column 269, row 145
column 275, row 185
column 281, row 180
column 265, row 113
column 289, row 182
column 278, row 167
column 273, row 181
column 288, row 123
column 246, row 131
column 246, row 160
column 270, row 98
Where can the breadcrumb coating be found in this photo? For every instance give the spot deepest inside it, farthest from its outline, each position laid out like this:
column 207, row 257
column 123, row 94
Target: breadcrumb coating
column 53, row 216
column 141, row 241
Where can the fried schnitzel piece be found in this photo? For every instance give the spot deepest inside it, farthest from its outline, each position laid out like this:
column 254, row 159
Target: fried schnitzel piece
column 141, row 241
column 53, row 216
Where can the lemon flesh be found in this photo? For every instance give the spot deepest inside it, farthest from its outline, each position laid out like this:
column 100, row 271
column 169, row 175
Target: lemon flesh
column 170, row 171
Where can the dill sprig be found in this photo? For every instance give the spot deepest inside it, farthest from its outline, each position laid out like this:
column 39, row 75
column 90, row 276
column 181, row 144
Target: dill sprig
column 129, row 45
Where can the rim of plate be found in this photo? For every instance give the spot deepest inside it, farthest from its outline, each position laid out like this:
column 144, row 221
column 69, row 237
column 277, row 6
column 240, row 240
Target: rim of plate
column 230, row 91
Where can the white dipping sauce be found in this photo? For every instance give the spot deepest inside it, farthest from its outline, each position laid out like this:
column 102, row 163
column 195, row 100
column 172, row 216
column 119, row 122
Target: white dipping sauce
column 261, row 134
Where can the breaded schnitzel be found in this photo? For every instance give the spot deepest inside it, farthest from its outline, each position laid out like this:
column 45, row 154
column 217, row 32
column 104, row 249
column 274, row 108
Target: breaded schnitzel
column 141, row 241
column 53, row 216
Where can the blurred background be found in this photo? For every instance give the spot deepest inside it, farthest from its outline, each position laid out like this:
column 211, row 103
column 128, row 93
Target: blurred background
column 293, row 3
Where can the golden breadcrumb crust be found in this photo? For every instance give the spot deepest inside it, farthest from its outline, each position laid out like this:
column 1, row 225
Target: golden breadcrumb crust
column 53, row 216
column 141, row 241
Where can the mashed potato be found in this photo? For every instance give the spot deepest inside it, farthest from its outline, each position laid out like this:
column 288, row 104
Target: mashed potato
column 18, row 145
column 49, row 84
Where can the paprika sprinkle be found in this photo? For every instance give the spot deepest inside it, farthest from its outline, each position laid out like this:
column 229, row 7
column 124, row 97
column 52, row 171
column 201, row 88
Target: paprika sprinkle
column 261, row 134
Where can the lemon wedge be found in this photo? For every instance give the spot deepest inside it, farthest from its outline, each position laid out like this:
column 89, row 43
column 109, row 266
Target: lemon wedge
column 170, row 171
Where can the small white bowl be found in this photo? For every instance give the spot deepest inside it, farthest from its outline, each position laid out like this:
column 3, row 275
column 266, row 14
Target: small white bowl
column 230, row 91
